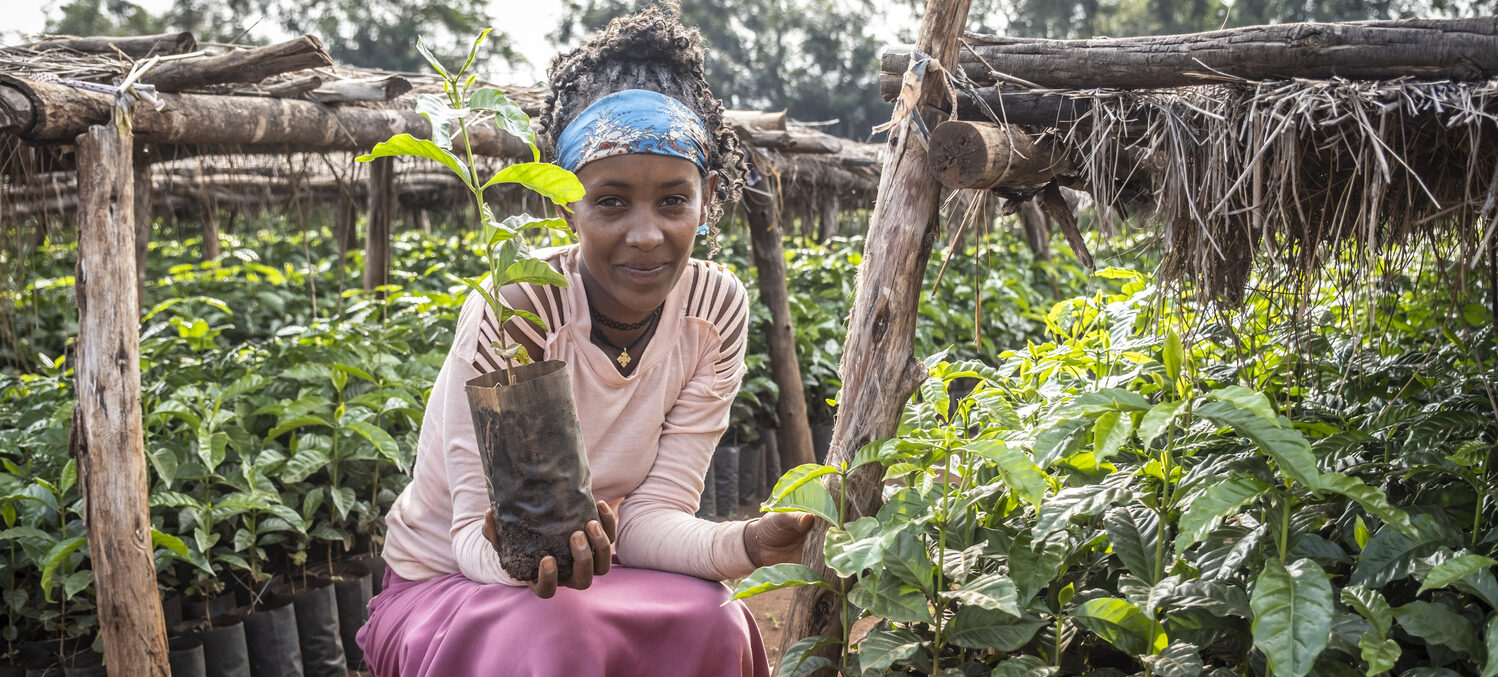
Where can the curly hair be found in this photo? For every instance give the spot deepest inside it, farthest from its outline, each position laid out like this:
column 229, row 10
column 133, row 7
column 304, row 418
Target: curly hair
column 647, row 50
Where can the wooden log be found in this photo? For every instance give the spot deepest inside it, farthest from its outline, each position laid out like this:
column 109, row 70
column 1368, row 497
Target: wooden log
column 377, row 89
column 208, row 203
column 144, row 192
column 746, row 122
column 796, row 142
column 765, row 246
column 107, row 437
column 984, row 155
column 879, row 367
column 1456, row 49
column 294, row 87
column 827, row 218
column 56, row 113
column 1014, row 105
column 240, row 65
column 377, row 229
column 135, row 47
column 346, row 224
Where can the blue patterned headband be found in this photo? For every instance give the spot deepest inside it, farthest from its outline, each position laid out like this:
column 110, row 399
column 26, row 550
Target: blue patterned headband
column 633, row 121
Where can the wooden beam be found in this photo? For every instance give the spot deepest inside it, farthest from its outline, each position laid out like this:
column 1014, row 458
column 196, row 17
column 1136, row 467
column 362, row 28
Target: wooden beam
column 984, row 155
column 382, row 205
column 107, row 436
column 136, row 47
column 376, row 89
column 879, row 367
column 1456, row 49
column 766, row 247
column 1014, row 105
column 796, row 142
column 56, row 113
column 294, row 87
column 144, row 192
column 239, row 65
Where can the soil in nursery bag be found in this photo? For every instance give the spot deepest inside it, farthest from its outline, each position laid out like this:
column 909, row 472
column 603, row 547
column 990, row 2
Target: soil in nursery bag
column 225, row 653
column 537, row 469
column 248, row 594
column 726, row 478
column 270, row 635
column 88, row 664
column 316, row 626
column 376, row 566
column 185, row 657
column 195, row 608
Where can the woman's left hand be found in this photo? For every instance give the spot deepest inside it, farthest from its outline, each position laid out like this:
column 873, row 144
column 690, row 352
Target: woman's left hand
column 777, row 538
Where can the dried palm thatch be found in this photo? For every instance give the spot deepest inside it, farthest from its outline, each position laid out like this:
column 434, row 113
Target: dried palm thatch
column 1294, row 170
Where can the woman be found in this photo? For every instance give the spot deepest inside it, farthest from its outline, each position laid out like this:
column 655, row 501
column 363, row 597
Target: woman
column 654, row 341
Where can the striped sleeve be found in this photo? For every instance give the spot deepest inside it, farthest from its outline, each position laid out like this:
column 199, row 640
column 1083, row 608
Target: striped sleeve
column 718, row 297
column 544, row 301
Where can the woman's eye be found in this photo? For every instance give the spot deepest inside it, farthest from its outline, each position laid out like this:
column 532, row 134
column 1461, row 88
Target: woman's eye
column 610, row 201
column 674, row 201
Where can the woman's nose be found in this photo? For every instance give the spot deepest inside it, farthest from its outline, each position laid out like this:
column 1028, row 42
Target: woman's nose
column 644, row 233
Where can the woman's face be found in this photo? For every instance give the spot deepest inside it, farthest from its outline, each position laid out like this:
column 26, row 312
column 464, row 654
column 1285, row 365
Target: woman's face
column 636, row 225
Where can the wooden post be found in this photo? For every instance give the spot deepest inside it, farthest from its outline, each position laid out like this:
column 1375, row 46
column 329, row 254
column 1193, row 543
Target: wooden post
column 346, row 223
column 879, row 367
column 210, row 224
column 1036, row 228
column 107, row 435
column 377, row 230
column 794, row 435
column 828, row 218
column 142, row 214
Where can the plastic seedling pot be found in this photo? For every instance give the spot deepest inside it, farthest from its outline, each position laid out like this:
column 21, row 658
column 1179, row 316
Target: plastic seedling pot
column 270, row 634
column 531, row 446
column 224, row 650
column 726, row 478
column 185, row 657
column 317, row 628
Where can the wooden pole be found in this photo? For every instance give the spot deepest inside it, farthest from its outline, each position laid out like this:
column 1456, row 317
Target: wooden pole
column 239, row 65
column 827, row 218
column 377, row 230
column 107, row 435
column 794, row 435
column 143, row 205
column 879, row 367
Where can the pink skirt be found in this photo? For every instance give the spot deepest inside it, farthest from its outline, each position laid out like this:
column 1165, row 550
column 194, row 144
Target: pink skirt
column 630, row 622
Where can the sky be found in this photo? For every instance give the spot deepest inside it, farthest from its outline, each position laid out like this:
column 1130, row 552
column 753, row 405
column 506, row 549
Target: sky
column 529, row 22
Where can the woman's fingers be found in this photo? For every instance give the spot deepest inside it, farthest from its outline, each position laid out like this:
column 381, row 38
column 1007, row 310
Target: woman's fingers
column 582, row 562
column 603, row 549
column 610, row 521
column 545, row 584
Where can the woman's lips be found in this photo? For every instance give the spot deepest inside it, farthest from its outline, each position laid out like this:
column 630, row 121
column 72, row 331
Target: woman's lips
column 643, row 271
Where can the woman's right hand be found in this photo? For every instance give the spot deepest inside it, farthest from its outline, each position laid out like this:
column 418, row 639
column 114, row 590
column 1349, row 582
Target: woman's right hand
column 592, row 553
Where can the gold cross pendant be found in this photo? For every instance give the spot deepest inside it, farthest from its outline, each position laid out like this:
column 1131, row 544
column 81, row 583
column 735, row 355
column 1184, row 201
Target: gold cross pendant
column 623, row 359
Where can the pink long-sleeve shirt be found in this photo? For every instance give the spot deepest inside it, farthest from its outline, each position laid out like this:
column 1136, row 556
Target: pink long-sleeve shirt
column 649, row 435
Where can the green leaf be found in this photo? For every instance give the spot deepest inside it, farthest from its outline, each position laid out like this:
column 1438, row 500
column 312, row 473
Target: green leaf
column 1247, row 399
column 1490, row 638
column 307, row 460
column 1108, row 399
column 1180, row 659
column 1033, row 565
column 1289, row 449
column 1390, row 554
column 507, row 114
column 426, row 53
column 1455, row 569
column 1121, row 624
column 1156, row 420
column 1372, row 500
column 885, row 595
column 380, row 439
column 1438, row 624
column 473, row 52
column 1024, row 666
column 172, row 499
column 1172, row 355
column 1110, row 432
column 552, row 182
column 777, row 577
column 343, row 500
column 297, row 422
column 995, row 592
column 1218, row 501
column 881, row 648
column 531, row 271
column 1293, row 612
column 978, row 628
column 851, row 551
column 1059, row 440
column 1134, row 533
column 161, row 539
column 1016, row 470
column 442, row 118
column 56, row 557
column 801, row 660
column 1379, row 654
column 405, row 145
column 76, row 582
column 1073, row 502
column 800, row 489
column 1369, row 604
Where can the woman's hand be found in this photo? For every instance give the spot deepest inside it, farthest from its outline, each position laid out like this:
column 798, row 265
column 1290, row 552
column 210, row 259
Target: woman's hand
column 592, row 552
column 777, row 537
